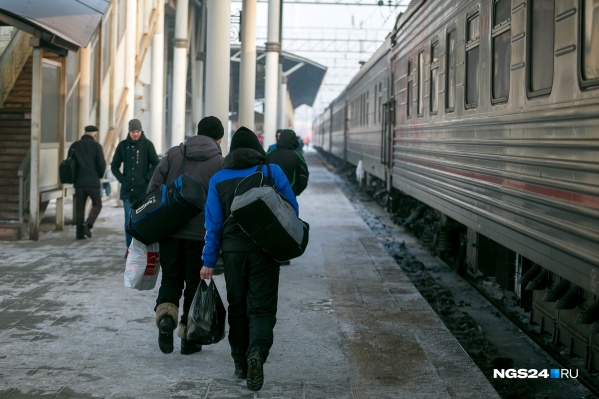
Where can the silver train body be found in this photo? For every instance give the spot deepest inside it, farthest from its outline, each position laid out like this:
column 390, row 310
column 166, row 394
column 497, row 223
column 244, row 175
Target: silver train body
column 488, row 112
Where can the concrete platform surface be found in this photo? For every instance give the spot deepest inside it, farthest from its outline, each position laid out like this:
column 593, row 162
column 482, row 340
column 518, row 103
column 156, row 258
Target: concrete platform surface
column 350, row 323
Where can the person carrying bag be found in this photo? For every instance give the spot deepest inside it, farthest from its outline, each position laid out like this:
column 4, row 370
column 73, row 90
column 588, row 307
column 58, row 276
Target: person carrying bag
column 180, row 251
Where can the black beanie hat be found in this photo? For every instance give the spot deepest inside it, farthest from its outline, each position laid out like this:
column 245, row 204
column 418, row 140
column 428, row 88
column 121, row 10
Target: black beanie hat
column 90, row 129
column 134, row 124
column 245, row 138
column 211, row 126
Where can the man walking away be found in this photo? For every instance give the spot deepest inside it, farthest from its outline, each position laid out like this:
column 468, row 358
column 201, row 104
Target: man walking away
column 138, row 157
column 181, row 253
column 91, row 166
column 286, row 155
column 251, row 275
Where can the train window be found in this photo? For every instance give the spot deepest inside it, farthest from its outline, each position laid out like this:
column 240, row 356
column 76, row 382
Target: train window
column 410, row 93
column 367, row 107
column 502, row 51
column 450, row 72
column 540, row 47
column 434, row 100
column 472, row 61
column 380, row 110
column 420, row 83
column 376, row 105
column 590, row 43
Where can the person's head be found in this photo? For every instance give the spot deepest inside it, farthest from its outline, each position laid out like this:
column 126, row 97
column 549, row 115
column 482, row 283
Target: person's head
column 91, row 131
column 245, row 138
column 135, row 129
column 211, row 126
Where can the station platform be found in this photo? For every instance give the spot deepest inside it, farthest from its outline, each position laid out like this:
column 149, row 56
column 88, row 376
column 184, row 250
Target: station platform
column 350, row 323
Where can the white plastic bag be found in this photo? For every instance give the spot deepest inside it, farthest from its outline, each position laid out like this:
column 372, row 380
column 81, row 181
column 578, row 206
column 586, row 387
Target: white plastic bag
column 142, row 266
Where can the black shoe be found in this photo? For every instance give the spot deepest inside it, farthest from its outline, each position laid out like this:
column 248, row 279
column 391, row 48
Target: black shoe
column 241, row 373
column 255, row 373
column 165, row 335
column 86, row 228
column 80, row 237
column 187, row 348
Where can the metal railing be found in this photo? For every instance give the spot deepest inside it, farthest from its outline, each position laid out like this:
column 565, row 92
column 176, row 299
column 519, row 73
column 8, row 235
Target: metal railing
column 24, row 180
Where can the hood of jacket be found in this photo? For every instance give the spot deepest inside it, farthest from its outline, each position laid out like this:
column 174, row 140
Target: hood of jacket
column 200, row 148
column 288, row 140
column 242, row 158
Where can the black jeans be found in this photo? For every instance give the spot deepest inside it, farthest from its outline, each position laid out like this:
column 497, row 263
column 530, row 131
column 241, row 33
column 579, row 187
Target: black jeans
column 181, row 262
column 252, row 280
column 81, row 195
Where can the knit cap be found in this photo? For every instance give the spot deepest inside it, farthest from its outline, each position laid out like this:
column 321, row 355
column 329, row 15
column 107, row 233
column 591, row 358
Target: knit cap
column 211, row 126
column 134, row 124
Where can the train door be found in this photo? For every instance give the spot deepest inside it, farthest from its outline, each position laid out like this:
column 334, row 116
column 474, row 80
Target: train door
column 388, row 121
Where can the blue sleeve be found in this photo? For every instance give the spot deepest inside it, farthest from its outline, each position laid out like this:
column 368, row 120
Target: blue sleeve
column 213, row 212
column 282, row 185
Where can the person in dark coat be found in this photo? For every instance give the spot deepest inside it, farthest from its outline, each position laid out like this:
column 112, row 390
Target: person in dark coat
column 91, row 166
column 251, row 275
column 138, row 158
column 181, row 253
column 287, row 156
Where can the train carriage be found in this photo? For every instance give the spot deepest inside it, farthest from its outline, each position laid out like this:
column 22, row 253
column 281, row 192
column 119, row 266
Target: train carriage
column 366, row 94
column 491, row 119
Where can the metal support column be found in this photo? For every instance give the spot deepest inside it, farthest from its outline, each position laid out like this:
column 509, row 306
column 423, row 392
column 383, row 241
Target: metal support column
column 247, row 70
column 198, row 57
column 218, row 64
column 157, row 85
column 36, row 130
column 180, row 73
column 271, row 85
column 131, row 51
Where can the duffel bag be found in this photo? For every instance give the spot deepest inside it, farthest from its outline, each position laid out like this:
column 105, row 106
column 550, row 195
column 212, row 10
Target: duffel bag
column 165, row 210
column 268, row 218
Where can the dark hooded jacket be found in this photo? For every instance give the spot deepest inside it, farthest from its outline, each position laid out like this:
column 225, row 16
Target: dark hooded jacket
column 91, row 164
column 203, row 159
column 221, row 229
column 139, row 160
column 290, row 160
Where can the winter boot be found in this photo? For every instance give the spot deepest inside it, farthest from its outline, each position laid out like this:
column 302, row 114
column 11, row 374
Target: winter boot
column 166, row 320
column 87, row 230
column 255, row 372
column 187, row 348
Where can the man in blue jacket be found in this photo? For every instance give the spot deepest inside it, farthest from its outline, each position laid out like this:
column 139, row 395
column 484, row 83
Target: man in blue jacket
column 251, row 275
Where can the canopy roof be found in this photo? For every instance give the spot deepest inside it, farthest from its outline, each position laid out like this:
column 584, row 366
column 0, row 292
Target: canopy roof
column 304, row 76
column 68, row 24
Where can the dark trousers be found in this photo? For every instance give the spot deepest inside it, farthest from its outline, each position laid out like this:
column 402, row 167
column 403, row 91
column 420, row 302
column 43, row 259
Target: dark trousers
column 252, row 280
column 181, row 262
column 81, row 195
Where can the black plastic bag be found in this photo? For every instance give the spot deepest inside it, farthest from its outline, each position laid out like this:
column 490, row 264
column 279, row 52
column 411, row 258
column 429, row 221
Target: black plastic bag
column 206, row 320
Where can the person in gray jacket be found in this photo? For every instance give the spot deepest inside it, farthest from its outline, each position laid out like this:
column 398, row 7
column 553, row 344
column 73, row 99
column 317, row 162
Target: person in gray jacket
column 181, row 253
